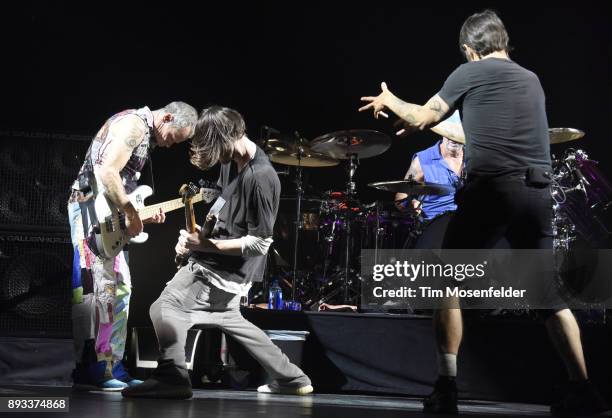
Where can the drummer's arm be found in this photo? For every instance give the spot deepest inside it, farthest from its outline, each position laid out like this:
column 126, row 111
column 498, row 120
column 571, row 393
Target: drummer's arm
column 415, row 171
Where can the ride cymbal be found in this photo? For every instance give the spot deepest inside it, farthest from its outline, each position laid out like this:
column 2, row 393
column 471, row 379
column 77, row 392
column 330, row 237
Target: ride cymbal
column 292, row 154
column 362, row 143
column 560, row 135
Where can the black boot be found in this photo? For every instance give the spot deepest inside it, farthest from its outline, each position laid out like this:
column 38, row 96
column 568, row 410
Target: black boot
column 167, row 381
column 443, row 400
column 581, row 398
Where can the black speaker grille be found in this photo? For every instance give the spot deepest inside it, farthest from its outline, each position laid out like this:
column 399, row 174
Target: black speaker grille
column 35, row 178
column 35, row 285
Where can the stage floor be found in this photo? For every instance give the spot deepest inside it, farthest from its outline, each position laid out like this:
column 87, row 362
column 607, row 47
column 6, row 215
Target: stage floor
column 233, row 404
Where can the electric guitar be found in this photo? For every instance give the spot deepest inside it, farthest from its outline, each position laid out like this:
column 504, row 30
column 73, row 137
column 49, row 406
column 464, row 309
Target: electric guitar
column 188, row 194
column 107, row 234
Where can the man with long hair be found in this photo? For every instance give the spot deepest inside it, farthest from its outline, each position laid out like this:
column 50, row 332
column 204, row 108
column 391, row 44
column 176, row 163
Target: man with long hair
column 221, row 269
column 506, row 194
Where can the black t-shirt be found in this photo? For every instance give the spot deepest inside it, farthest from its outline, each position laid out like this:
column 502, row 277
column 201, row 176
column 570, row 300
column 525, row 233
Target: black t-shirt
column 252, row 198
column 503, row 113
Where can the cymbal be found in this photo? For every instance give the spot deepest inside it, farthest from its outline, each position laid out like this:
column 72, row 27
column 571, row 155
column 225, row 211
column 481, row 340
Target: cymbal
column 412, row 187
column 307, row 199
column 363, row 143
column 560, row 135
column 285, row 153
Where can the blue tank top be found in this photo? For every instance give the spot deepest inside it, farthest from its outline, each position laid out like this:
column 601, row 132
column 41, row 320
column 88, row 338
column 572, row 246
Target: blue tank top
column 436, row 170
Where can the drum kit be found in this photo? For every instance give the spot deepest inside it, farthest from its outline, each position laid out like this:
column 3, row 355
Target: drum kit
column 582, row 197
column 340, row 222
column 328, row 229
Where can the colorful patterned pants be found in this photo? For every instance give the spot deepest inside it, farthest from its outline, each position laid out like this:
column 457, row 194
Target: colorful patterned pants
column 100, row 301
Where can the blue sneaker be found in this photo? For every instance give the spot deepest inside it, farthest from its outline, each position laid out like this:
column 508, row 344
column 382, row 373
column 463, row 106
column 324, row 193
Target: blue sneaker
column 111, row 385
column 119, row 373
column 90, row 377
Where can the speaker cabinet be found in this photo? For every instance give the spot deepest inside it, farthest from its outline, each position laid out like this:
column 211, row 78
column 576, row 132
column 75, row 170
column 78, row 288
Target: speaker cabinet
column 36, row 173
column 35, row 285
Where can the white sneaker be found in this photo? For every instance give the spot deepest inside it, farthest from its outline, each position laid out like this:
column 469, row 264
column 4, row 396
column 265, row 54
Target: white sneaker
column 285, row 390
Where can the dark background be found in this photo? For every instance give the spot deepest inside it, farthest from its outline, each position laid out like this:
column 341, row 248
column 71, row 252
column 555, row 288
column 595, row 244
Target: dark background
column 295, row 66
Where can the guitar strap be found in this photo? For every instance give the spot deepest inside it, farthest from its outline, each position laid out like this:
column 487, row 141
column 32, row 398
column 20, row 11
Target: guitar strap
column 151, row 170
column 85, row 216
column 88, row 213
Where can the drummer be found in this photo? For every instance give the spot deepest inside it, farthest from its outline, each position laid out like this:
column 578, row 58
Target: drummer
column 442, row 163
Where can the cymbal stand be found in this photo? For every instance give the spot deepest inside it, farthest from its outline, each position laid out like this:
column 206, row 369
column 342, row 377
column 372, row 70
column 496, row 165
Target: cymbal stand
column 298, row 218
column 353, row 162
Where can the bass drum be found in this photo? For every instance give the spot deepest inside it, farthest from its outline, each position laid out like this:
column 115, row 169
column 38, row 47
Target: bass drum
column 284, row 234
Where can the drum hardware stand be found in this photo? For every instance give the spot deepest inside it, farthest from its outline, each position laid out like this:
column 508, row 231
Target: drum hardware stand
column 298, row 210
column 345, row 282
column 353, row 162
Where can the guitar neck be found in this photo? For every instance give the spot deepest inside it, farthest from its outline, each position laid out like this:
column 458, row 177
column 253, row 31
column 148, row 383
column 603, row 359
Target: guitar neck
column 190, row 222
column 168, row 206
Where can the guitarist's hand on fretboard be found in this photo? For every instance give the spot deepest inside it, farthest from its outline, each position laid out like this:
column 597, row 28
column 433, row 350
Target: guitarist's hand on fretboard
column 157, row 218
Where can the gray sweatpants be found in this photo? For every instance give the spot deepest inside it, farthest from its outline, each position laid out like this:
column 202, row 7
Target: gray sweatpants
column 189, row 299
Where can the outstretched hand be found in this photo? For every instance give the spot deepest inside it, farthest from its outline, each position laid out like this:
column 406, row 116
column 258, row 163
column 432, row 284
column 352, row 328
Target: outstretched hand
column 377, row 103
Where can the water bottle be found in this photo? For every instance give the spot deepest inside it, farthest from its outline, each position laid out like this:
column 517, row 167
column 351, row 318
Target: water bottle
column 275, row 296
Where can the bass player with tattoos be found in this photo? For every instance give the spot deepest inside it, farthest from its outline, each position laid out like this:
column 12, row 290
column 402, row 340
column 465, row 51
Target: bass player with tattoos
column 101, row 286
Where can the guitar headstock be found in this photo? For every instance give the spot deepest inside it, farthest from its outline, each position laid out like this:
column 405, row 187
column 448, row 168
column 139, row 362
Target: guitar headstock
column 188, row 191
column 209, row 190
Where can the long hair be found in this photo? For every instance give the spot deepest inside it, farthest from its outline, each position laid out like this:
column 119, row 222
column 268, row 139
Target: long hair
column 485, row 33
column 217, row 129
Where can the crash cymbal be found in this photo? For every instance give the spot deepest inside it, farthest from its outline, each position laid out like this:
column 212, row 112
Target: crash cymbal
column 301, row 154
column 412, row 187
column 363, row 143
column 560, row 135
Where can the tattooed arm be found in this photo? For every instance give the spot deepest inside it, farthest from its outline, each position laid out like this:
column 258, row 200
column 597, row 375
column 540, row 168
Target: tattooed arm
column 415, row 115
column 450, row 128
column 416, row 173
column 123, row 136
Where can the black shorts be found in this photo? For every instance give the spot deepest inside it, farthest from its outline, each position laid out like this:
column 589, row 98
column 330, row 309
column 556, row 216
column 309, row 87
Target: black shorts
column 506, row 208
column 489, row 209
